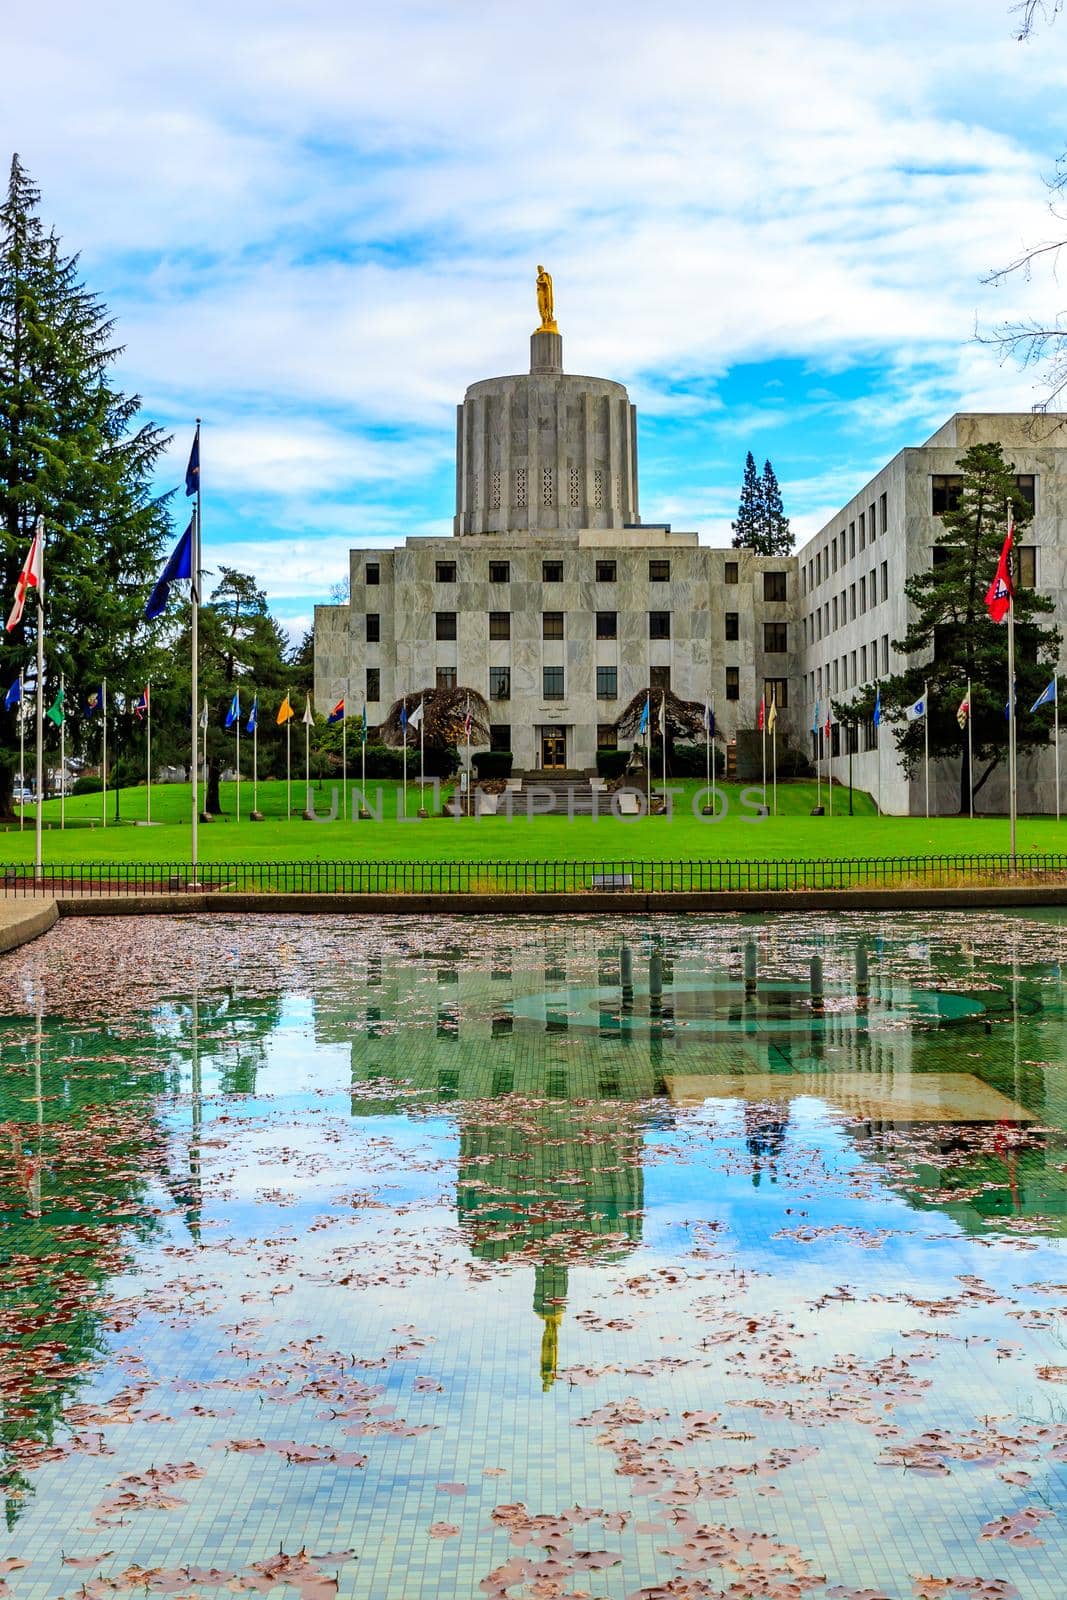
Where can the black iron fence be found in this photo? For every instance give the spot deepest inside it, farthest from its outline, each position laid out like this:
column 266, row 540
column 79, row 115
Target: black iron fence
column 527, row 877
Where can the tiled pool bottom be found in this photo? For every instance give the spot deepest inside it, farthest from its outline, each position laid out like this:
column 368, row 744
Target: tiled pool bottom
column 423, row 1258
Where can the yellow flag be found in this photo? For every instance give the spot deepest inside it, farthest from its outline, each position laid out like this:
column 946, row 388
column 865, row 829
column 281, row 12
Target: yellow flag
column 772, row 715
column 285, row 711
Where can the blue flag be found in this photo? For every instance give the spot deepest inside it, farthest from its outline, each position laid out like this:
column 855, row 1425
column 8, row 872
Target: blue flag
column 815, row 719
column 179, row 566
column 1047, row 697
column 250, row 725
column 363, row 726
column 404, row 717
column 642, row 726
column 234, row 713
column 709, row 720
column 876, row 719
column 192, row 471
column 337, row 714
column 14, row 694
column 94, row 701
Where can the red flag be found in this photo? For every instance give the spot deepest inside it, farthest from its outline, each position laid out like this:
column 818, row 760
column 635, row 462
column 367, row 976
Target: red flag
column 827, row 728
column 999, row 594
column 762, row 713
column 29, row 578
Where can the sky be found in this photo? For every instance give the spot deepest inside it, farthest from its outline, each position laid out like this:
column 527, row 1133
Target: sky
column 317, row 223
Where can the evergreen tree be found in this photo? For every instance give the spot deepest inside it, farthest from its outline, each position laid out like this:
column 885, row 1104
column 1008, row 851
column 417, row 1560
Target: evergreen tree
column 954, row 639
column 776, row 539
column 748, row 524
column 74, row 450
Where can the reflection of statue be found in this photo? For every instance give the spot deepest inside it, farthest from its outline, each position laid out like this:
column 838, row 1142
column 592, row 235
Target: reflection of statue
column 544, row 302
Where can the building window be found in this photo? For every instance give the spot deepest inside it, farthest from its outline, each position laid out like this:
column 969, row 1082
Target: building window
column 552, row 683
column 851, row 541
column 446, row 572
column 659, row 624
column 863, row 663
column 885, row 580
column 500, row 683
column 863, row 530
column 607, row 624
column 1026, row 484
column 606, row 572
column 372, row 572
column 374, row 683
column 945, row 491
column 833, row 550
column 733, row 683
column 776, row 689
column 500, row 624
column 870, row 522
column 500, row 736
column 883, row 513
column 500, row 572
column 885, row 652
column 659, row 677
column 1026, row 566
column 733, row 625
column 659, row 572
column 775, row 638
column 607, row 737
column 774, row 586
column 729, row 572
column 552, row 572
column 446, row 677
column 445, row 622
column 374, row 627
column 607, row 683
column 833, row 604
column 552, row 624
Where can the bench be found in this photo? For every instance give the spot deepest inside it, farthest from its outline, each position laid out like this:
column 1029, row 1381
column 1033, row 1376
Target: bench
column 611, row 880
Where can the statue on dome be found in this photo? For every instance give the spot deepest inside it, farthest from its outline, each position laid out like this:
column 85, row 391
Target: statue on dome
column 544, row 302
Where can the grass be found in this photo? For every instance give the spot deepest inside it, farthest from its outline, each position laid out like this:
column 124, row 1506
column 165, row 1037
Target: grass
column 793, row 833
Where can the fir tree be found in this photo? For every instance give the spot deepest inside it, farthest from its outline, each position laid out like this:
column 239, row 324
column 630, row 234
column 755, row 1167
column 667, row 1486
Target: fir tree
column 951, row 638
column 74, row 450
column 776, row 539
column 747, row 527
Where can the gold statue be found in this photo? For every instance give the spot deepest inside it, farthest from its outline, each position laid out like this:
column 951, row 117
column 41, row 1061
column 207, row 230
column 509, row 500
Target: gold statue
column 544, row 302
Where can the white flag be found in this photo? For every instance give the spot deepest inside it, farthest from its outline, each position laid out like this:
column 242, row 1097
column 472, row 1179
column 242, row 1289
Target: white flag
column 416, row 716
column 307, row 717
column 203, row 714
column 916, row 712
column 30, row 576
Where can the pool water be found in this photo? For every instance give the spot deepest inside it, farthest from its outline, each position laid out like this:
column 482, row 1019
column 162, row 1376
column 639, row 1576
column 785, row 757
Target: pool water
column 523, row 1258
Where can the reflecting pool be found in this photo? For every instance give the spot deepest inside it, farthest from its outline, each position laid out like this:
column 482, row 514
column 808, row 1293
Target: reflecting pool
column 515, row 1258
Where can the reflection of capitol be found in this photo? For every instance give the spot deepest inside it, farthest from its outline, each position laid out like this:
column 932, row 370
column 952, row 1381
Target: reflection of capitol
column 583, row 1040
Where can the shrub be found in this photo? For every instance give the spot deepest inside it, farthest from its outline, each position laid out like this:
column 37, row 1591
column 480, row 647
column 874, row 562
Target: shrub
column 494, row 763
column 87, row 785
column 691, row 761
column 611, row 763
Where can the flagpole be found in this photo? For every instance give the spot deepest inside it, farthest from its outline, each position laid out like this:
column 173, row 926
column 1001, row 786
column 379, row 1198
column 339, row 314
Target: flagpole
column 970, row 752
column 763, row 731
column 1056, row 736
column 194, row 646
column 926, row 745
column 344, row 764
column 237, row 725
column 405, row 779
column 103, row 748
column 818, row 758
column 148, row 748
column 255, row 762
column 62, row 754
column 289, row 761
column 829, row 755
column 22, row 750
column 774, row 762
column 663, row 736
column 422, row 755
column 38, row 858
column 363, row 762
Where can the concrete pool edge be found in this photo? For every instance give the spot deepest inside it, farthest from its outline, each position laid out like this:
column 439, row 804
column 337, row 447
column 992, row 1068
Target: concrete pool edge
column 23, row 920
column 989, row 897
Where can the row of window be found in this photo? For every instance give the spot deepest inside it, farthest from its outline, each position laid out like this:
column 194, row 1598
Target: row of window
column 946, row 489
column 849, row 670
column 843, row 546
column 845, row 738
column 852, row 602
column 553, row 683
column 775, row 584
column 775, row 634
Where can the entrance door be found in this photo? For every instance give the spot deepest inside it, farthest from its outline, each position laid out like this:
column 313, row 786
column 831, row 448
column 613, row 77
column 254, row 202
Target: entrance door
column 553, row 749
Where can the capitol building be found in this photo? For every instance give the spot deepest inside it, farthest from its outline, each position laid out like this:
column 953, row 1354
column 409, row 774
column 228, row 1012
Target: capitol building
column 558, row 603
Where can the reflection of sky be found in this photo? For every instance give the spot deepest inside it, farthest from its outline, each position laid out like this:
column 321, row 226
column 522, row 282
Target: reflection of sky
column 239, row 1307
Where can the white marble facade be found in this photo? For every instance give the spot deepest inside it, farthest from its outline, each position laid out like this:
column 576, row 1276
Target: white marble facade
column 558, row 604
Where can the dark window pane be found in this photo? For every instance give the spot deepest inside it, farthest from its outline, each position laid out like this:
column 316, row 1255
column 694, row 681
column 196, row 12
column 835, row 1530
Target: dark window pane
column 500, row 624
column 607, row 625
column 446, row 677
column 374, row 627
column 446, row 624
column 774, row 586
column 553, row 683
column 374, row 683
column 500, row 572
column 730, row 572
column 733, row 683
column 552, row 572
column 372, row 572
column 659, row 677
column 500, row 736
column 659, row 572
column 605, row 572
column 446, row 572
column 659, row 624
column 607, row 737
column 774, row 638
column 500, row 683
column 552, row 625
column 607, row 683
column 733, row 625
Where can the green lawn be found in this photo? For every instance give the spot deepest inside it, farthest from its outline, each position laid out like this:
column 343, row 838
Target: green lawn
column 793, row 833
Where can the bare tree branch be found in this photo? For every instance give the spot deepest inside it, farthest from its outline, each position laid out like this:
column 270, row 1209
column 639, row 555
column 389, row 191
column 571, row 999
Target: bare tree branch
column 1030, row 12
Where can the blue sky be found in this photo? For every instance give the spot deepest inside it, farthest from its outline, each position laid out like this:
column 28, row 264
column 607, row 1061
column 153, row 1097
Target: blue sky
column 318, row 222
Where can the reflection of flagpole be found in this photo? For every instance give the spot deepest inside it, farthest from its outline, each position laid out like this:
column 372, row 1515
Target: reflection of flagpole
column 289, row 761
column 38, row 820
column 196, row 555
column 774, row 759
column 926, row 744
column 663, row 736
column 344, row 763
column 148, row 748
column 830, row 755
column 404, row 715
column 1056, row 735
column 422, row 755
column 237, row 726
column 22, row 751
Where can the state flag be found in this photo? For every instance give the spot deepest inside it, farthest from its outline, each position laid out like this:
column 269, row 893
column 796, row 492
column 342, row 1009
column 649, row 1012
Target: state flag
column 192, row 471
column 642, row 726
column 94, row 701
column 234, row 713
column 416, row 716
column 709, row 720
column 772, row 714
column 877, row 717
column 963, row 711
column 1047, row 697
column 140, row 705
column 253, row 716
column 285, row 711
column 178, row 567
column 309, row 716
column 999, row 594
column 916, row 712
column 337, row 714
column 30, row 577
column 55, row 712
column 14, row 694
column 761, row 716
